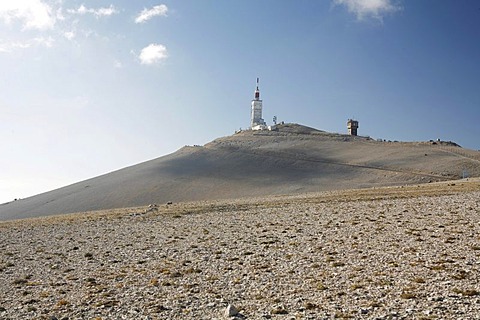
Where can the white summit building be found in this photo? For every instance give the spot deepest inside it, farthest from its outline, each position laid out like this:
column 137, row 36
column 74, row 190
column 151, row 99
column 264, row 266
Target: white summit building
column 256, row 120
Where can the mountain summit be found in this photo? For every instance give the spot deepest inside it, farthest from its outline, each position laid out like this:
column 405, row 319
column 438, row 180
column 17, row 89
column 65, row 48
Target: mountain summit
column 291, row 159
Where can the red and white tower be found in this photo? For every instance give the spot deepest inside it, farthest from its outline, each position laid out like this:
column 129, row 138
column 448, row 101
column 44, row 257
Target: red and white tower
column 257, row 121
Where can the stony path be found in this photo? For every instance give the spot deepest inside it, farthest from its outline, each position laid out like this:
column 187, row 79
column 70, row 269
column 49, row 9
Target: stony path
column 406, row 258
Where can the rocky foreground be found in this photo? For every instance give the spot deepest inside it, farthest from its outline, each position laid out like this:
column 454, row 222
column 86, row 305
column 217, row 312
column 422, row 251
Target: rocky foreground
column 392, row 253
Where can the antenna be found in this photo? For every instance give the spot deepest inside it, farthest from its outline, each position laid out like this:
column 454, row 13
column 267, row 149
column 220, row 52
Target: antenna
column 257, row 91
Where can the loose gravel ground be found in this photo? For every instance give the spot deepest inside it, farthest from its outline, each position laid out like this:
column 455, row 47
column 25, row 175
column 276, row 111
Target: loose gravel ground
column 396, row 253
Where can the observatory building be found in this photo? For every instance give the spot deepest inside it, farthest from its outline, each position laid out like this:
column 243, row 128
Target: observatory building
column 256, row 120
column 352, row 126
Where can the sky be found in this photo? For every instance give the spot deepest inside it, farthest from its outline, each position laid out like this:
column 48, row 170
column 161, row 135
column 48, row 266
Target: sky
column 92, row 86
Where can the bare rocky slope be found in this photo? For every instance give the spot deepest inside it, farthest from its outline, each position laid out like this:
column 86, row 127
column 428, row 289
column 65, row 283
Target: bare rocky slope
column 294, row 159
column 408, row 252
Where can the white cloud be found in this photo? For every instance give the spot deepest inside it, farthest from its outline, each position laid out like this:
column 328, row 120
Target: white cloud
column 100, row 12
column 33, row 14
column 117, row 64
column 60, row 15
column 69, row 35
column 147, row 14
column 153, row 53
column 81, row 10
column 369, row 8
column 106, row 11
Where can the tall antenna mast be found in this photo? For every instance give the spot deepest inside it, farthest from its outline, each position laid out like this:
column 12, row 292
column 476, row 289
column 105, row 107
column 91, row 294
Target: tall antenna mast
column 257, row 91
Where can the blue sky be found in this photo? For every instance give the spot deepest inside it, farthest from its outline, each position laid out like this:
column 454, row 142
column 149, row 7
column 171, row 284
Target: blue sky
column 92, row 86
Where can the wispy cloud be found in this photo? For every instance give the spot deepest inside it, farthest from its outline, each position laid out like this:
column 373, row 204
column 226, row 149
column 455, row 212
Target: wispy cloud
column 369, row 8
column 44, row 41
column 11, row 46
column 33, row 14
column 147, row 14
column 153, row 54
column 100, row 12
column 59, row 14
column 105, row 11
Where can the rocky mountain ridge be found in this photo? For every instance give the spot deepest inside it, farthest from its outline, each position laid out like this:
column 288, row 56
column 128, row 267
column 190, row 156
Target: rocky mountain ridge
column 293, row 159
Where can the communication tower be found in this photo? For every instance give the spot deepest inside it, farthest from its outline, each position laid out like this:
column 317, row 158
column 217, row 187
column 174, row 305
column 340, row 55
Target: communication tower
column 257, row 122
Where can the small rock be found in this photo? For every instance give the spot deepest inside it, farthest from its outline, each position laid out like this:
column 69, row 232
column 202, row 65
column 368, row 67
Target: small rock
column 231, row 311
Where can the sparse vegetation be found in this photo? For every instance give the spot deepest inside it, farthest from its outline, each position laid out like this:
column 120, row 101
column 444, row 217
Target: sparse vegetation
column 279, row 310
column 408, row 295
column 466, row 292
column 419, row 280
column 62, row 302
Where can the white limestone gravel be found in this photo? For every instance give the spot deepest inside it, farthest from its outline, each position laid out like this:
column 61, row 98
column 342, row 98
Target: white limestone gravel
column 414, row 257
